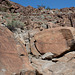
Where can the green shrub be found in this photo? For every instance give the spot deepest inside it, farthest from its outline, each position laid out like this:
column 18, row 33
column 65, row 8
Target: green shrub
column 42, row 17
column 15, row 24
column 48, row 8
column 41, row 6
column 3, row 9
column 8, row 3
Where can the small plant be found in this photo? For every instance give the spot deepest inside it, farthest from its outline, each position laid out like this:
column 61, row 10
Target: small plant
column 48, row 8
column 9, row 4
column 15, row 24
column 41, row 6
column 10, row 25
column 3, row 9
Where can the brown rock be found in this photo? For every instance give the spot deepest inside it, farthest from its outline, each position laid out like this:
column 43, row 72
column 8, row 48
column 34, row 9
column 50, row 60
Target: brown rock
column 13, row 55
column 55, row 40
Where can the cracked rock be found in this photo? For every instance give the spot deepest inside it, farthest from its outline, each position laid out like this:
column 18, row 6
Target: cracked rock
column 55, row 40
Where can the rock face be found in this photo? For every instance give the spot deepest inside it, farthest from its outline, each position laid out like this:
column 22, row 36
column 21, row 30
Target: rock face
column 64, row 66
column 13, row 56
column 55, row 40
column 52, row 43
column 44, row 37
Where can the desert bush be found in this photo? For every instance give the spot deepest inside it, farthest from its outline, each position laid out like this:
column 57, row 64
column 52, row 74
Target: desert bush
column 3, row 9
column 8, row 3
column 15, row 24
column 12, row 21
column 41, row 6
column 48, row 8
column 42, row 17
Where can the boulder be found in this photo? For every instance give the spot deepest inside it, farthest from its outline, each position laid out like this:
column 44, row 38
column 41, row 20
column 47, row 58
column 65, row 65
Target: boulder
column 13, row 55
column 55, row 40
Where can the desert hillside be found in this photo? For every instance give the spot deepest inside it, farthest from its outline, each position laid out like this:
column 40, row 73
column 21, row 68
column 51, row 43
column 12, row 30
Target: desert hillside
column 36, row 41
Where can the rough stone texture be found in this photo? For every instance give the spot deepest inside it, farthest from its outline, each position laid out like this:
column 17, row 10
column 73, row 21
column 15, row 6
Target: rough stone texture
column 55, row 40
column 66, row 58
column 48, row 55
column 13, row 55
column 33, row 32
column 42, row 65
column 64, row 66
column 59, row 41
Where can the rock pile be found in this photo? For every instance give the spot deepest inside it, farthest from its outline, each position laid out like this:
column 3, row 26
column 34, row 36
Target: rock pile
column 42, row 42
column 39, row 18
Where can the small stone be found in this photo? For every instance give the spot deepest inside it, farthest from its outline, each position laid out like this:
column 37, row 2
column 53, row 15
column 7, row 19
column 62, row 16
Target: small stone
column 54, row 60
column 3, row 70
column 48, row 55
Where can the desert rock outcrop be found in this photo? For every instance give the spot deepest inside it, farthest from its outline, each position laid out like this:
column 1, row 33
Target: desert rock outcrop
column 13, row 55
column 36, row 41
column 56, row 40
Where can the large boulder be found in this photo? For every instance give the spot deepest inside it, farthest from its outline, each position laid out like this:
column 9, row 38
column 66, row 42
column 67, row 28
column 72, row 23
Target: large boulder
column 13, row 55
column 55, row 40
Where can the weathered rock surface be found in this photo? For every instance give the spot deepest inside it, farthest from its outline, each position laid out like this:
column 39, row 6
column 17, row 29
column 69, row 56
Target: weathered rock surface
column 64, row 66
column 41, row 65
column 13, row 55
column 66, row 58
column 55, row 40
column 47, row 35
column 48, row 55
